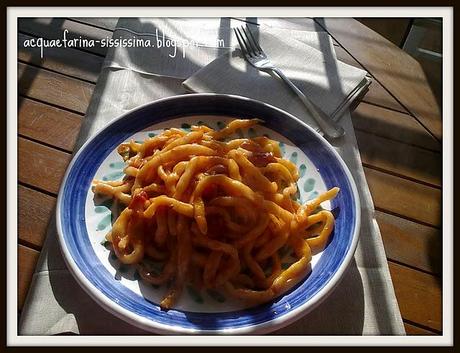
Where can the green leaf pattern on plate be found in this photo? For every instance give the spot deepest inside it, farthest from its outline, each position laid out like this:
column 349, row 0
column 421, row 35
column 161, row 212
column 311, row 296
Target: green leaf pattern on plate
column 113, row 176
column 194, row 294
column 216, row 295
column 104, row 222
column 186, row 127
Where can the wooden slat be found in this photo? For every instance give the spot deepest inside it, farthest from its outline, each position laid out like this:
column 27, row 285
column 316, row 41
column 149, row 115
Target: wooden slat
column 393, row 125
column 41, row 166
column 35, row 210
column 396, row 70
column 377, row 94
column 53, row 28
column 393, row 29
column 411, row 243
column 412, row 330
column 27, row 259
column 48, row 124
column 107, row 23
column 54, row 88
column 419, row 296
column 433, row 71
column 399, row 158
column 67, row 61
column 404, row 197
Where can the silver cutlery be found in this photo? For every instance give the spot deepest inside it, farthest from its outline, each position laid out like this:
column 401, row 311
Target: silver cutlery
column 255, row 55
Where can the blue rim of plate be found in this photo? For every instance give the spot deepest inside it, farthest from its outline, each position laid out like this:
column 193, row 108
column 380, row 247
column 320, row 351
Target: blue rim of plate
column 132, row 307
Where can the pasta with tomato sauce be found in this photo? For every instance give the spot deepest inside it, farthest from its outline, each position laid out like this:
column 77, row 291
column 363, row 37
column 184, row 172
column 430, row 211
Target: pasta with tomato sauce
column 215, row 213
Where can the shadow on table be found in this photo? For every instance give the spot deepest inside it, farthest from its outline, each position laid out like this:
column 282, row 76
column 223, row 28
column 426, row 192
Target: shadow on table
column 89, row 317
column 341, row 313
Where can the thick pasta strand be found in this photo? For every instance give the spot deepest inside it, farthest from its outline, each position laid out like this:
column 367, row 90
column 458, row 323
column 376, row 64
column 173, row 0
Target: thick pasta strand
column 178, row 206
column 252, row 174
column 211, row 267
column 232, row 127
column 203, row 209
column 179, row 153
column 197, row 164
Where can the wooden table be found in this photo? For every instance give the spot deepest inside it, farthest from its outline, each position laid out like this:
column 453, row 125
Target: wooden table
column 398, row 127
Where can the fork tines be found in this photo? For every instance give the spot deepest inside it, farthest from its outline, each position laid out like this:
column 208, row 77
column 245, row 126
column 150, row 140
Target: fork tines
column 247, row 42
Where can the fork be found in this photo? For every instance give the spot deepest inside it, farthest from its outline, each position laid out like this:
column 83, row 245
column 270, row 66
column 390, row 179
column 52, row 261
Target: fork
column 255, row 55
